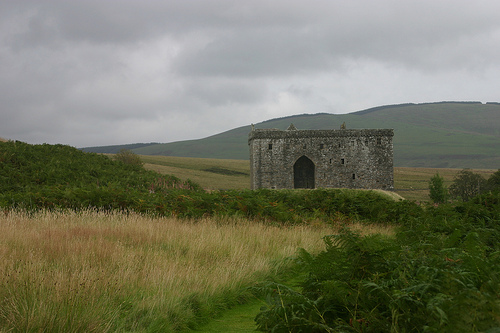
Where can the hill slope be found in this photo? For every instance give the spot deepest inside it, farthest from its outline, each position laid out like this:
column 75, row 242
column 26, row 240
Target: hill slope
column 28, row 168
column 440, row 135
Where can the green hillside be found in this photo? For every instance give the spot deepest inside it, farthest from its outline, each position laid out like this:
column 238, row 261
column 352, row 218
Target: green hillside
column 59, row 176
column 439, row 135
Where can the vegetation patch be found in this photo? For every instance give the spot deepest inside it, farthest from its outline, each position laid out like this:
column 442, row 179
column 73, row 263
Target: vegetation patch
column 223, row 171
column 90, row 271
column 57, row 177
column 439, row 273
column 152, row 252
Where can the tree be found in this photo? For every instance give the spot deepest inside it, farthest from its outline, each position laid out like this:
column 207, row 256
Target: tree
column 467, row 185
column 128, row 157
column 437, row 191
column 494, row 181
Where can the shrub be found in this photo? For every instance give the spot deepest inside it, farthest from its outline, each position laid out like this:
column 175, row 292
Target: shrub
column 439, row 274
column 494, row 181
column 467, row 185
column 368, row 284
column 128, row 157
column 437, row 191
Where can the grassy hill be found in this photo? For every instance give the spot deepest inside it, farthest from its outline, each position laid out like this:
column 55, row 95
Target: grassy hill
column 59, row 176
column 437, row 135
column 26, row 168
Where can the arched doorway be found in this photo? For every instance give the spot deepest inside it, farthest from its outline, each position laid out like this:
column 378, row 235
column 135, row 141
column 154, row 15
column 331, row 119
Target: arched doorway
column 303, row 173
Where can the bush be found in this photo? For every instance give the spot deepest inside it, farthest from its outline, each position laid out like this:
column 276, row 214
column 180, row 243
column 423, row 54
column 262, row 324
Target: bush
column 128, row 157
column 375, row 284
column 467, row 185
column 440, row 273
column 494, row 181
column 437, row 191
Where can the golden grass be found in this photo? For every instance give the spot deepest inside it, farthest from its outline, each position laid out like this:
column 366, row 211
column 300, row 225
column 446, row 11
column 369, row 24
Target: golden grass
column 388, row 194
column 92, row 271
column 195, row 169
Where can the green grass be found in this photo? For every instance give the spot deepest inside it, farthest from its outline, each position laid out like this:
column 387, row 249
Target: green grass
column 410, row 183
column 239, row 319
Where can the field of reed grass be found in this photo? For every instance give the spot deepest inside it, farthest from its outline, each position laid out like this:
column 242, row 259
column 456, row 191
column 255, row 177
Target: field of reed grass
column 90, row 271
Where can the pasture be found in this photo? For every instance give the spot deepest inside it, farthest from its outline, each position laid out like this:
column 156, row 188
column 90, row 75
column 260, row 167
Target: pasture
column 215, row 174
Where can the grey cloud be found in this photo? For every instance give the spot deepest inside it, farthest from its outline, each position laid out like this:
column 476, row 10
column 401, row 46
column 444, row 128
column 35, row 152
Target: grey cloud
column 86, row 72
column 271, row 38
column 257, row 53
column 216, row 92
column 418, row 34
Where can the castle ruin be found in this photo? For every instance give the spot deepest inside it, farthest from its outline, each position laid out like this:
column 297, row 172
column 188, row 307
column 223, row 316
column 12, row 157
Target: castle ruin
column 345, row 158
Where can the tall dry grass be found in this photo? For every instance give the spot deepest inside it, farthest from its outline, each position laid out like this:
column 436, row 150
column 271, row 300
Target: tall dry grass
column 91, row 271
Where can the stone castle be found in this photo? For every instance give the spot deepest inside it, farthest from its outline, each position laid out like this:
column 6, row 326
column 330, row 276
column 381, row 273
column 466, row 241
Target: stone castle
column 345, row 158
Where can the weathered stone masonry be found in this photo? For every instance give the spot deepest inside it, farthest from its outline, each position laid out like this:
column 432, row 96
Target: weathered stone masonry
column 345, row 158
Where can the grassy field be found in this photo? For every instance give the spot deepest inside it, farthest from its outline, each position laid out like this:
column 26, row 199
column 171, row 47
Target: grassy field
column 89, row 271
column 214, row 174
column 190, row 255
column 211, row 174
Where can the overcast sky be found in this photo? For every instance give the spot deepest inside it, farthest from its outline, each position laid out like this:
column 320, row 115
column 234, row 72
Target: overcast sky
column 103, row 72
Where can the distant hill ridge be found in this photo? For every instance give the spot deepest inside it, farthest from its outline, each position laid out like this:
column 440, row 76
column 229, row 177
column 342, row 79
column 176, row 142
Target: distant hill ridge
column 437, row 135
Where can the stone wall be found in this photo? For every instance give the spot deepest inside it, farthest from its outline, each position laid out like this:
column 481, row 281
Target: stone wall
column 345, row 158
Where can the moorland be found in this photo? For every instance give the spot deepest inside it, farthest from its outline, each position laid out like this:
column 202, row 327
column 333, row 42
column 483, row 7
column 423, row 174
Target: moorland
column 428, row 135
column 220, row 174
column 93, row 244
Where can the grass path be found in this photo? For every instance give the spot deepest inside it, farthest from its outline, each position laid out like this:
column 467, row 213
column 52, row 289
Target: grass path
column 241, row 318
column 238, row 319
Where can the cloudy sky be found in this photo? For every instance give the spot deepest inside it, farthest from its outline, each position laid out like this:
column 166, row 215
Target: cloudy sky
column 103, row 72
